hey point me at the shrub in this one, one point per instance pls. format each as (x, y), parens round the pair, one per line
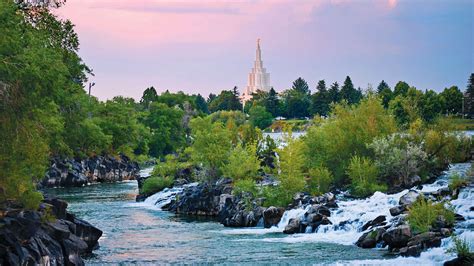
(397, 156)
(245, 186)
(291, 174)
(156, 184)
(319, 180)
(423, 214)
(242, 163)
(363, 175)
(456, 182)
(462, 248)
(345, 133)
(259, 117)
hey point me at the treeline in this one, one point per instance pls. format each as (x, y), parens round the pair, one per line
(359, 147)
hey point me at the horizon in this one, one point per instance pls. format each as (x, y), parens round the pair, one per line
(210, 46)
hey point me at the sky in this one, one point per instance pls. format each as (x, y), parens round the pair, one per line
(200, 46)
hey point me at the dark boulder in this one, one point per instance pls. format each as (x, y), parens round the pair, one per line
(461, 261)
(379, 221)
(397, 210)
(397, 237)
(294, 226)
(409, 198)
(272, 216)
(371, 238)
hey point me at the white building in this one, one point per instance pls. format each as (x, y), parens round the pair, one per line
(258, 79)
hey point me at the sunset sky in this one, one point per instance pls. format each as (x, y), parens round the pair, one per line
(207, 46)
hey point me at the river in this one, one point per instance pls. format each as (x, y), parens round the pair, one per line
(141, 233)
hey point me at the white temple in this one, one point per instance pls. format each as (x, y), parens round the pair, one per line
(258, 79)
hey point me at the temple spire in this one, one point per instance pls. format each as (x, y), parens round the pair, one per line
(258, 78)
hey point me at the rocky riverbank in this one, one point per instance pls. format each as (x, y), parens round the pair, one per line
(387, 225)
(66, 172)
(49, 236)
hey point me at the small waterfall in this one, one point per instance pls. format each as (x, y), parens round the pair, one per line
(164, 197)
(353, 214)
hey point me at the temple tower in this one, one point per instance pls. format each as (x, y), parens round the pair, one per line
(258, 78)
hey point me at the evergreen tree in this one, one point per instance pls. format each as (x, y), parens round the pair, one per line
(385, 93)
(382, 86)
(272, 103)
(201, 104)
(211, 98)
(226, 101)
(334, 93)
(300, 85)
(149, 96)
(470, 85)
(320, 100)
(348, 92)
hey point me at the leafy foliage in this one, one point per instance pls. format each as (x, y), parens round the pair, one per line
(243, 163)
(363, 174)
(156, 184)
(423, 213)
(319, 180)
(259, 117)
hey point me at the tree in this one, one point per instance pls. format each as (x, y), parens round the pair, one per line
(320, 102)
(201, 104)
(470, 85)
(212, 145)
(243, 163)
(272, 103)
(400, 89)
(167, 132)
(149, 96)
(227, 100)
(334, 94)
(406, 107)
(259, 117)
(385, 93)
(431, 105)
(301, 86)
(349, 93)
(453, 100)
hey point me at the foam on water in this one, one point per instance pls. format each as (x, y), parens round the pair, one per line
(353, 214)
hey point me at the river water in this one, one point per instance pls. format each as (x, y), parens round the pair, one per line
(141, 233)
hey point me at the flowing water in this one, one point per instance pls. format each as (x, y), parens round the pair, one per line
(142, 233)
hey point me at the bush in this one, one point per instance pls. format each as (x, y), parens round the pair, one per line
(243, 163)
(462, 249)
(291, 174)
(397, 156)
(423, 214)
(345, 133)
(363, 175)
(156, 184)
(456, 182)
(259, 117)
(319, 180)
(245, 186)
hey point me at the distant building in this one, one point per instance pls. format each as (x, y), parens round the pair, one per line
(258, 78)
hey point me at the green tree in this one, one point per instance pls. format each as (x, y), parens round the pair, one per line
(385, 93)
(334, 94)
(167, 132)
(363, 175)
(320, 100)
(401, 88)
(201, 104)
(243, 163)
(300, 85)
(431, 105)
(349, 93)
(212, 145)
(453, 100)
(149, 96)
(259, 117)
(226, 101)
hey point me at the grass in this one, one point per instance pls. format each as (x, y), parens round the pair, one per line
(456, 182)
(464, 124)
(462, 248)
